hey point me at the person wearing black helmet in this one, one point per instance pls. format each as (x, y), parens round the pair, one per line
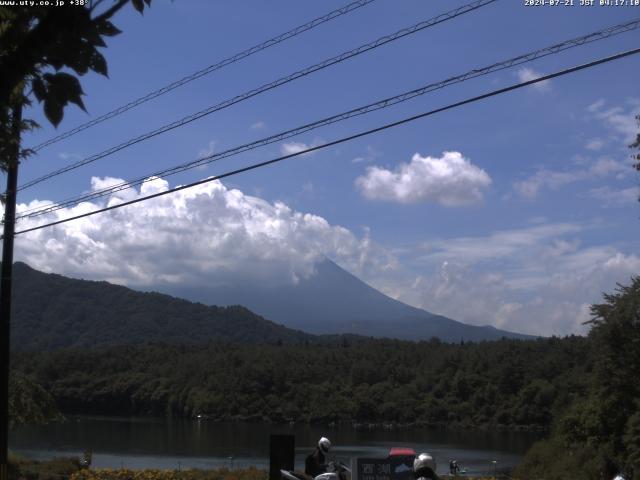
(424, 467)
(315, 463)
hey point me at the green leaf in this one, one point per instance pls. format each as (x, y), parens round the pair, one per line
(63, 88)
(39, 90)
(107, 29)
(53, 111)
(78, 101)
(89, 31)
(67, 82)
(27, 152)
(98, 64)
(54, 60)
(138, 5)
(80, 58)
(96, 40)
(70, 89)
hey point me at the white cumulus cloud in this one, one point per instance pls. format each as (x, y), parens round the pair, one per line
(206, 233)
(450, 180)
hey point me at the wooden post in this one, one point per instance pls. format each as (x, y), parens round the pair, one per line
(282, 453)
(5, 285)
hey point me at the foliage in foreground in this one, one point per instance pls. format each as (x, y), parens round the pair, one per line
(56, 469)
(70, 469)
(38, 42)
(554, 460)
(191, 474)
(604, 426)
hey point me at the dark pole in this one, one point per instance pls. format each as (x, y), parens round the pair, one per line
(5, 283)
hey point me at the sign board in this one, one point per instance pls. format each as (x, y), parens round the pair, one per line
(390, 468)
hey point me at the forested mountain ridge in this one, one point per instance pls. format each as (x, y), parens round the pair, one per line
(51, 311)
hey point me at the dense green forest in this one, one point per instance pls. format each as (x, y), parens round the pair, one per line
(29, 403)
(509, 382)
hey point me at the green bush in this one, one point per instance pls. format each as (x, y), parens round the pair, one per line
(56, 469)
(552, 459)
(193, 474)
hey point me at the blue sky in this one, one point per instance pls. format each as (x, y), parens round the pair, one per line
(528, 218)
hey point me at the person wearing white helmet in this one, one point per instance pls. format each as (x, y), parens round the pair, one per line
(610, 470)
(315, 463)
(424, 467)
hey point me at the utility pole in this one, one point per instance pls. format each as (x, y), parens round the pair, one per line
(12, 163)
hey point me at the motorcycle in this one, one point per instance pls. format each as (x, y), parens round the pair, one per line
(335, 471)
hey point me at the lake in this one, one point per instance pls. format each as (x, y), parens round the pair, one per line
(182, 443)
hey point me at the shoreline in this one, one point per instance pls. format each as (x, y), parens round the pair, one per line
(264, 421)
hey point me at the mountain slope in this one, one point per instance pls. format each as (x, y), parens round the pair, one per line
(51, 311)
(333, 301)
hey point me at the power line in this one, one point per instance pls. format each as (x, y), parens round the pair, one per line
(207, 70)
(345, 139)
(553, 49)
(556, 48)
(269, 86)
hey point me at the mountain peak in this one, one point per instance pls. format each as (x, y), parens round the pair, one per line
(334, 301)
(52, 311)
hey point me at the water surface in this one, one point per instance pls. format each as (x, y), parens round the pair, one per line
(181, 443)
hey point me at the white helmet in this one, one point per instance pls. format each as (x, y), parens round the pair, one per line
(424, 460)
(324, 445)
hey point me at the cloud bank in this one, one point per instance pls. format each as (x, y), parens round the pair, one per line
(537, 279)
(207, 233)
